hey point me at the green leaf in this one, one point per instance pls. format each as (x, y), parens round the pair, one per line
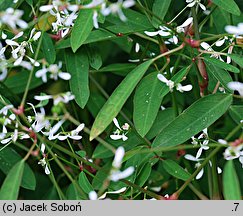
(221, 64)
(118, 99)
(175, 170)
(237, 59)
(84, 183)
(194, 119)
(8, 158)
(82, 28)
(78, 67)
(228, 5)
(73, 194)
(148, 98)
(119, 69)
(18, 82)
(160, 8)
(221, 75)
(9, 95)
(48, 49)
(95, 59)
(236, 112)
(231, 185)
(144, 174)
(11, 184)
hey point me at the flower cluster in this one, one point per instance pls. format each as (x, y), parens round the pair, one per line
(120, 132)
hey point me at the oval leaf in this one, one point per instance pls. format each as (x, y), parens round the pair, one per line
(82, 28)
(231, 185)
(148, 98)
(11, 184)
(118, 98)
(78, 67)
(175, 170)
(222, 65)
(84, 183)
(237, 59)
(228, 5)
(194, 119)
(221, 75)
(48, 49)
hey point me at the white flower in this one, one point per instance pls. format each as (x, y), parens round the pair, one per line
(208, 48)
(171, 84)
(236, 86)
(19, 50)
(181, 88)
(40, 119)
(120, 132)
(116, 8)
(42, 162)
(235, 30)
(233, 152)
(191, 3)
(115, 173)
(164, 32)
(6, 108)
(198, 164)
(72, 135)
(63, 97)
(181, 28)
(55, 72)
(53, 130)
(12, 18)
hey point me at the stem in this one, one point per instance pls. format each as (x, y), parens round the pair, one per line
(195, 23)
(197, 192)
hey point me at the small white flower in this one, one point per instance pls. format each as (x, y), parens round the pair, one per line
(181, 88)
(223, 142)
(236, 86)
(42, 162)
(93, 195)
(235, 30)
(192, 3)
(72, 134)
(12, 18)
(169, 83)
(63, 97)
(198, 164)
(233, 152)
(208, 48)
(121, 132)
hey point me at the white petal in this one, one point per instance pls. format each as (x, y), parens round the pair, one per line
(43, 147)
(37, 36)
(122, 175)
(62, 137)
(43, 97)
(187, 22)
(79, 128)
(223, 142)
(75, 137)
(46, 8)
(219, 170)
(175, 39)
(65, 76)
(18, 61)
(205, 46)
(116, 123)
(47, 171)
(151, 34)
(200, 174)
(219, 43)
(116, 137)
(137, 47)
(11, 42)
(202, 6)
(190, 157)
(120, 152)
(199, 152)
(236, 86)
(162, 78)
(93, 195)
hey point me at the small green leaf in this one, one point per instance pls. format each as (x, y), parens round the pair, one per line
(82, 28)
(118, 98)
(84, 183)
(175, 170)
(11, 184)
(194, 119)
(221, 75)
(8, 94)
(160, 8)
(78, 67)
(48, 49)
(144, 174)
(228, 5)
(221, 64)
(237, 59)
(231, 184)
